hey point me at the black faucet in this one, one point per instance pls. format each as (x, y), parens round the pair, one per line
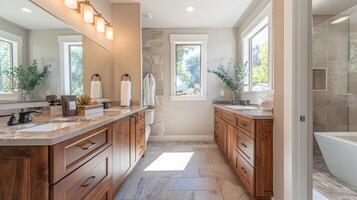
(25, 117)
(12, 121)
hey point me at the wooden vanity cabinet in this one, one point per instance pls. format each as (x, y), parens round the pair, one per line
(91, 166)
(247, 144)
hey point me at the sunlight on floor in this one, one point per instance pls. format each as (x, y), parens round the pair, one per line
(318, 196)
(176, 161)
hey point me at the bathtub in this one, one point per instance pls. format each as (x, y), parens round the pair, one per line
(339, 150)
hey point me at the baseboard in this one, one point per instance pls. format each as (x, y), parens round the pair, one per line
(158, 138)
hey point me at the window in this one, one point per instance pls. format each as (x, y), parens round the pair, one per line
(188, 66)
(10, 46)
(256, 52)
(71, 58)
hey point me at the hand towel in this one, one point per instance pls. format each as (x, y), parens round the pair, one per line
(96, 90)
(149, 90)
(125, 93)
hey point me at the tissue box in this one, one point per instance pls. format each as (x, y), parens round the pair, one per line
(89, 110)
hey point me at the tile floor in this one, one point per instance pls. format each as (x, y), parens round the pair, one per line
(328, 187)
(182, 171)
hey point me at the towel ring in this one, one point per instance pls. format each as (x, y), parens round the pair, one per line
(126, 77)
(97, 76)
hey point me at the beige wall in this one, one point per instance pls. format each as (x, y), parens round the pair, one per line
(19, 31)
(127, 47)
(174, 118)
(96, 60)
(74, 19)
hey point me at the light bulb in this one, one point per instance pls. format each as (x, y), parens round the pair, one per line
(72, 4)
(109, 33)
(88, 13)
(100, 24)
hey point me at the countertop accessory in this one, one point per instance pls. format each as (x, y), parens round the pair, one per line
(12, 121)
(125, 90)
(25, 117)
(69, 105)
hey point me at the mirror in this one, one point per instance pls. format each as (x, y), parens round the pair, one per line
(29, 34)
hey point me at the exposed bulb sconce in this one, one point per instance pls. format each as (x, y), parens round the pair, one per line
(72, 4)
(100, 24)
(88, 13)
(109, 33)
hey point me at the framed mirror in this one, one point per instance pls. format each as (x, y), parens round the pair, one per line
(31, 39)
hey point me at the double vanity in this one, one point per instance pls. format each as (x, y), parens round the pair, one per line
(245, 136)
(71, 158)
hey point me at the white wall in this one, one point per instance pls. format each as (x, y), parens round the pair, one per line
(195, 117)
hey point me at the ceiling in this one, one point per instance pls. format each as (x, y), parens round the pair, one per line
(36, 20)
(207, 13)
(331, 7)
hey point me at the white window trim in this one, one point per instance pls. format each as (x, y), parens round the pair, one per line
(64, 41)
(264, 18)
(16, 41)
(201, 39)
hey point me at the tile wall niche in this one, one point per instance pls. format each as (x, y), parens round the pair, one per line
(153, 54)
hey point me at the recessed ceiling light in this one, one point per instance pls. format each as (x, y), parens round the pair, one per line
(340, 20)
(26, 10)
(190, 9)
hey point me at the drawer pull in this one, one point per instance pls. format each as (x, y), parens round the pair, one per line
(244, 171)
(244, 145)
(91, 145)
(244, 124)
(89, 181)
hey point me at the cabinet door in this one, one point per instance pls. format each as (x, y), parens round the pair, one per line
(24, 173)
(217, 130)
(121, 151)
(133, 156)
(232, 138)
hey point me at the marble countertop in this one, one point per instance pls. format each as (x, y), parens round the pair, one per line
(253, 114)
(10, 136)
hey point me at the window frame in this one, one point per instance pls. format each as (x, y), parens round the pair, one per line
(65, 41)
(189, 39)
(263, 20)
(16, 43)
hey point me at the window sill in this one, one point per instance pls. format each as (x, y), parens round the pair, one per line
(188, 98)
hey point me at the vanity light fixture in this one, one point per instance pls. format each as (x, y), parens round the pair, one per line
(109, 33)
(340, 20)
(87, 13)
(72, 4)
(26, 10)
(100, 24)
(190, 9)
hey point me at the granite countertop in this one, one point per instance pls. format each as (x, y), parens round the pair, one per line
(250, 113)
(10, 136)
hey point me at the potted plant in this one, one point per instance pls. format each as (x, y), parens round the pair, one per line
(235, 80)
(87, 106)
(28, 79)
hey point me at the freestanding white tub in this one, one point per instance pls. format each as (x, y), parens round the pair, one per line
(339, 150)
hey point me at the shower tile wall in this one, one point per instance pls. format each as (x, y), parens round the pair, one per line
(330, 50)
(153, 51)
(353, 74)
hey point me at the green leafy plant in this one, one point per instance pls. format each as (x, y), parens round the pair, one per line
(235, 80)
(29, 78)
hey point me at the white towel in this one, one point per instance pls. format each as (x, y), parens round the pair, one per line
(149, 90)
(125, 93)
(96, 90)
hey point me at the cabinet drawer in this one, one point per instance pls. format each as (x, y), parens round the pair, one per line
(140, 144)
(70, 154)
(245, 145)
(245, 173)
(246, 124)
(217, 124)
(141, 128)
(101, 193)
(217, 112)
(229, 117)
(91, 176)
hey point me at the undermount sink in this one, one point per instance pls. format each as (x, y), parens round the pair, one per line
(48, 127)
(240, 107)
